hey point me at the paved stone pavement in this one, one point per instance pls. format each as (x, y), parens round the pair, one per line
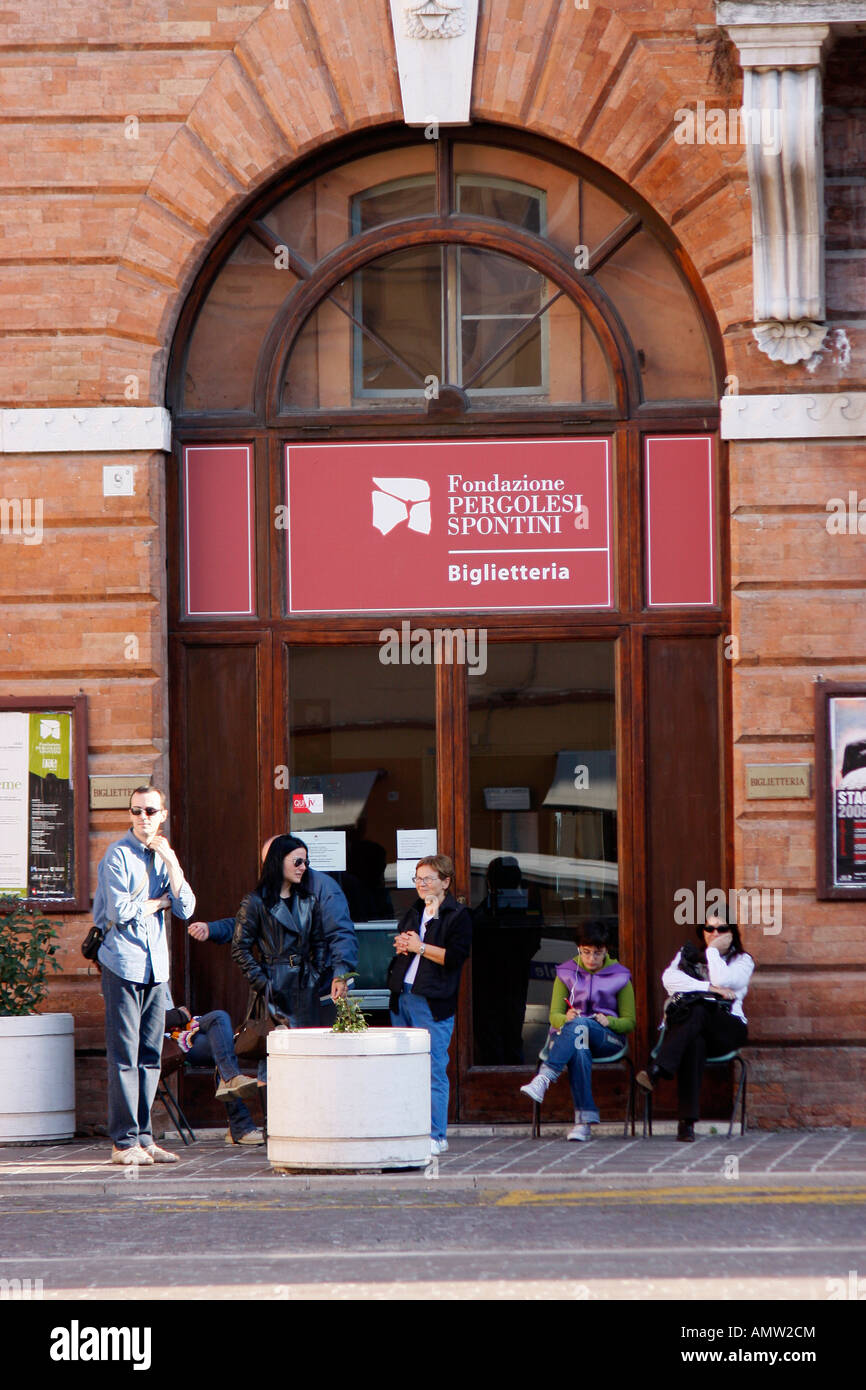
(476, 1159)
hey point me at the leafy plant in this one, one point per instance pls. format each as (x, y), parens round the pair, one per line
(27, 953)
(350, 1017)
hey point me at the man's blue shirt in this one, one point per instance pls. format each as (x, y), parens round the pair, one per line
(135, 945)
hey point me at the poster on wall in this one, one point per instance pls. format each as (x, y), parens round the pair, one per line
(841, 789)
(37, 812)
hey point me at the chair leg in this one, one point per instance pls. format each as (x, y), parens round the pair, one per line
(630, 1099)
(175, 1113)
(647, 1114)
(536, 1120)
(739, 1100)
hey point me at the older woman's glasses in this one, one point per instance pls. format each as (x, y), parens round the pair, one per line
(425, 882)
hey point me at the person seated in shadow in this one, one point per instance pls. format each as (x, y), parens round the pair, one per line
(207, 1040)
(592, 1008)
(506, 934)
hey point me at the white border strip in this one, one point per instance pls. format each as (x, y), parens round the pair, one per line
(249, 611)
(682, 439)
(85, 430)
(458, 608)
(830, 415)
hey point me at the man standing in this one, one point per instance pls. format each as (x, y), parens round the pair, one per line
(139, 877)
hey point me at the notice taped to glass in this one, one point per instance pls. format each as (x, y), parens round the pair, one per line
(37, 840)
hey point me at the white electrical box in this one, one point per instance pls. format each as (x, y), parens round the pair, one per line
(118, 480)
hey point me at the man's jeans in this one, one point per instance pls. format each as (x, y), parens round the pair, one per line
(574, 1046)
(414, 1012)
(134, 1028)
(214, 1043)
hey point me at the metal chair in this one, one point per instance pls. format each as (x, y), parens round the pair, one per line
(615, 1057)
(721, 1061)
(170, 1066)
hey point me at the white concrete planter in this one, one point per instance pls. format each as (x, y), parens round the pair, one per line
(349, 1100)
(37, 1078)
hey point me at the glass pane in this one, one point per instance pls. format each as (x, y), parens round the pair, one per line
(362, 735)
(319, 217)
(399, 298)
(662, 321)
(405, 198)
(231, 326)
(507, 202)
(543, 830)
(537, 196)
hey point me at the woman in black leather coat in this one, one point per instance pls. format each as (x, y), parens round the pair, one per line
(279, 938)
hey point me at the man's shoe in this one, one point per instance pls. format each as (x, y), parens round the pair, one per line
(133, 1157)
(158, 1155)
(580, 1132)
(685, 1131)
(536, 1089)
(438, 1146)
(236, 1086)
(252, 1136)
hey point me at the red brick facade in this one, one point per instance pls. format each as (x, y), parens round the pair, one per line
(126, 146)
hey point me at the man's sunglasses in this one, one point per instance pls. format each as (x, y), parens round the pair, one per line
(144, 810)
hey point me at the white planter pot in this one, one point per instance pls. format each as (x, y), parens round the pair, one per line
(37, 1078)
(349, 1100)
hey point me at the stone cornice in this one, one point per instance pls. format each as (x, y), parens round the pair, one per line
(841, 12)
(85, 430)
(835, 415)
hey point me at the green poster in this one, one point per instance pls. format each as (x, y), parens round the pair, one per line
(51, 874)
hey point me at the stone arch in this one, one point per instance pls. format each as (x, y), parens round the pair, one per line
(606, 84)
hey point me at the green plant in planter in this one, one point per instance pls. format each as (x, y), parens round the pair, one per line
(350, 1018)
(27, 953)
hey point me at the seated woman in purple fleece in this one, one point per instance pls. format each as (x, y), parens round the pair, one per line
(591, 1009)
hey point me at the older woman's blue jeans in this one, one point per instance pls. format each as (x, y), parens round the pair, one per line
(574, 1047)
(414, 1012)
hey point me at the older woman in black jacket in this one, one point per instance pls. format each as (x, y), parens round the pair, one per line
(432, 942)
(279, 941)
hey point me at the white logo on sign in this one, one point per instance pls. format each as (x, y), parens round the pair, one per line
(436, 19)
(49, 728)
(312, 802)
(390, 504)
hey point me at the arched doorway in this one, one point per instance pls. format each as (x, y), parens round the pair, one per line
(495, 350)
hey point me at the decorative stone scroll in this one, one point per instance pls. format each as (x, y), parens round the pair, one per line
(782, 82)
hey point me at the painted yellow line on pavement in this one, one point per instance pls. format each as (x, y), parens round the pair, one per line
(732, 1194)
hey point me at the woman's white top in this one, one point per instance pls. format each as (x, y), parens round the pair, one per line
(734, 974)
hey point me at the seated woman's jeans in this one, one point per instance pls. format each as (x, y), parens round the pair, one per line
(574, 1046)
(214, 1044)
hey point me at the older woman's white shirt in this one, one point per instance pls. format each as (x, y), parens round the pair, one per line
(734, 974)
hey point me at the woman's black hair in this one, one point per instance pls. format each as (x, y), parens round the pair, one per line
(736, 947)
(592, 932)
(271, 881)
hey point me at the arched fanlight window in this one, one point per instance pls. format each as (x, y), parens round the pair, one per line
(505, 280)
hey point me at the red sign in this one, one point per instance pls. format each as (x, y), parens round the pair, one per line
(450, 525)
(680, 521)
(219, 530)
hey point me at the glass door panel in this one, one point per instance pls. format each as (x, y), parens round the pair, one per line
(543, 830)
(362, 738)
